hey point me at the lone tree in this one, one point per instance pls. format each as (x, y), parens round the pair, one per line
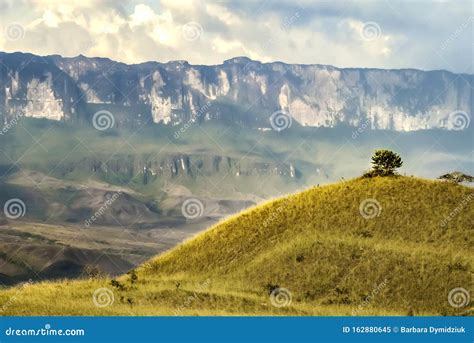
(384, 163)
(457, 177)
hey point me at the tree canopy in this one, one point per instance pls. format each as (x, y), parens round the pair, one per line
(384, 163)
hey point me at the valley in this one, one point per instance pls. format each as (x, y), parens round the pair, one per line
(139, 181)
(112, 164)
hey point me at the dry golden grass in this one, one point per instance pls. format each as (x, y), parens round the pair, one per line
(315, 244)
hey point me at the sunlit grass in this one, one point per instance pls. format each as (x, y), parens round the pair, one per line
(316, 244)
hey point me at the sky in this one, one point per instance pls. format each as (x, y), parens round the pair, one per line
(379, 34)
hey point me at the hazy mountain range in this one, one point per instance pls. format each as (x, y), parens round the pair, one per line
(239, 91)
(77, 132)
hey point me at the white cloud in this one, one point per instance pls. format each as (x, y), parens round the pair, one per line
(143, 14)
(323, 33)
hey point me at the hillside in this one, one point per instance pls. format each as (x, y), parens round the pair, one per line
(318, 252)
(227, 169)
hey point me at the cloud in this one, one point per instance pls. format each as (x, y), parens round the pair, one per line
(426, 35)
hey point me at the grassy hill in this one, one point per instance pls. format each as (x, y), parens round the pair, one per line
(379, 246)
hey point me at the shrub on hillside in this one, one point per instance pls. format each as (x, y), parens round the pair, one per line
(457, 177)
(92, 271)
(384, 163)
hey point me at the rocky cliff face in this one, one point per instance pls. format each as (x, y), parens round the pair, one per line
(180, 166)
(240, 90)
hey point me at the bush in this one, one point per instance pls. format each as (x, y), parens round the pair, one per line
(92, 271)
(384, 163)
(457, 177)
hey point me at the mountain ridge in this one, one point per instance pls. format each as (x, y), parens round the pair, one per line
(239, 91)
(243, 57)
